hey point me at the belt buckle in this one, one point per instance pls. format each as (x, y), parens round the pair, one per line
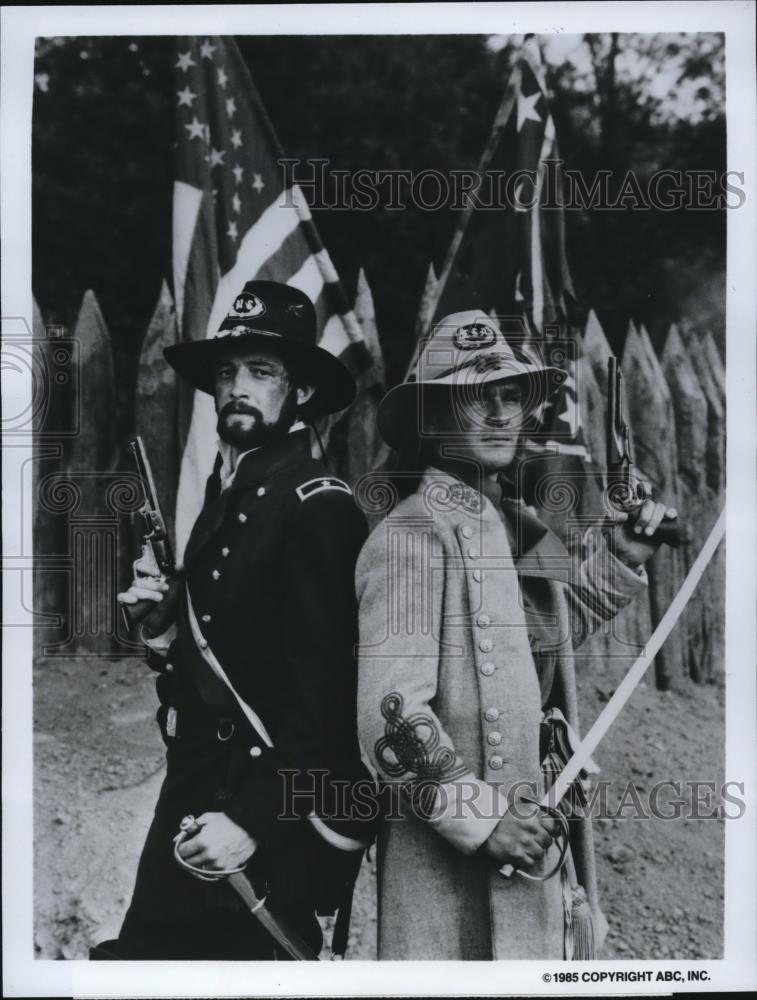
(171, 722)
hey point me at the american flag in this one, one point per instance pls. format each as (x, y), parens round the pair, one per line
(236, 218)
(510, 259)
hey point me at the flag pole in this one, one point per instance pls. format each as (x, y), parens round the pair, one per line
(328, 271)
(502, 118)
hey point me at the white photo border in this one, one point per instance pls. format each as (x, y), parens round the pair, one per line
(26, 976)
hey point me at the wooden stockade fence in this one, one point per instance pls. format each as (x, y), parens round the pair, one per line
(86, 491)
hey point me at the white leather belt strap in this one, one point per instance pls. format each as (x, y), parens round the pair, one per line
(331, 837)
(212, 661)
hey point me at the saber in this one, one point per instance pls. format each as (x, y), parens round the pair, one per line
(289, 940)
(627, 686)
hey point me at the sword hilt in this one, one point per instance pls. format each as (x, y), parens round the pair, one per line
(188, 828)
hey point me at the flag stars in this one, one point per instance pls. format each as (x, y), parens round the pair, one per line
(257, 182)
(215, 157)
(527, 109)
(197, 129)
(185, 61)
(236, 204)
(231, 106)
(236, 138)
(207, 50)
(186, 97)
(238, 173)
(222, 78)
(232, 231)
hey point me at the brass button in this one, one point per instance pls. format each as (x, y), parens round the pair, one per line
(487, 669)
(255, 751)
(466, 532)
(496, 762)
(206, 618)
(486, 645)
(484, 621)
(242, 518)
(491, 714)
(478, 575)
(225, 551)
(472, 553)
(494, 739)
(216, 575)
(169, 668)
(261, 491)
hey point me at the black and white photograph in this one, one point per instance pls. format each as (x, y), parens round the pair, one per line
(378, 499)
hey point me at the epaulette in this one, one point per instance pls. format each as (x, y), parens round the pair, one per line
(313, 486)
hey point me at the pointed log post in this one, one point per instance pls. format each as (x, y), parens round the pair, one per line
(593, 406)
(652, 421)
(155, 406)
(53, 379)
(384, 458)
(611, 650)
(690, 407)
(427, 304)
(93, 523)
(713, 582)
(715, 362)
(596, 350)
(359, 437)
(701, 358)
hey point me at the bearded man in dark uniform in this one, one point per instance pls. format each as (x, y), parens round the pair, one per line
(266, 587)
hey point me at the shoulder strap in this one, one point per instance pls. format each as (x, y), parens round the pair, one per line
(212, 661)
(313, 486)
(331, 837)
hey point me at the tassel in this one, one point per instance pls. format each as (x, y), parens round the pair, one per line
(582, 924)
(567, 908)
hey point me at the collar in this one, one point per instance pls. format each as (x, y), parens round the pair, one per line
(231, 459)
(536, 549)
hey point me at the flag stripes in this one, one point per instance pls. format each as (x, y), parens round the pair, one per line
(237, 217)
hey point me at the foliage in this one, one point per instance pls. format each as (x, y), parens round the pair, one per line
(645, 103)
(102, 165)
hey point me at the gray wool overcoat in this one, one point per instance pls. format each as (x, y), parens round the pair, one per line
(449, 707)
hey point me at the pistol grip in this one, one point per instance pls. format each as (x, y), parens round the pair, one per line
(670, 533)
(132, 614)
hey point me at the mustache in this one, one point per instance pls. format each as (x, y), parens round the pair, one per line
(239, 407)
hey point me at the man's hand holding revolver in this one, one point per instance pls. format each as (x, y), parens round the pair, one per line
(149, 584)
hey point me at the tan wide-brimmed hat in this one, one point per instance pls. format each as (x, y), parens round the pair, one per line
(463, 352)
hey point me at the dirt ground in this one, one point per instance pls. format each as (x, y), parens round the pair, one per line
(98, 768)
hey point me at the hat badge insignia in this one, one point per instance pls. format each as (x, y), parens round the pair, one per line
(475, 336)
(246, 306)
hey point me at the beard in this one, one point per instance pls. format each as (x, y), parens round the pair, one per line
(260, 433)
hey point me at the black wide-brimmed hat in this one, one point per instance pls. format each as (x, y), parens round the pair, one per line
(278, 318)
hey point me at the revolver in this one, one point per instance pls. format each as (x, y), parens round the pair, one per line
(626, 488)
(155, 537)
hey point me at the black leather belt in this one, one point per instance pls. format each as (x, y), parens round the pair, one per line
(184, 724)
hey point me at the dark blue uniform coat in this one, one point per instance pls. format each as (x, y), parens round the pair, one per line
(270, 569)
